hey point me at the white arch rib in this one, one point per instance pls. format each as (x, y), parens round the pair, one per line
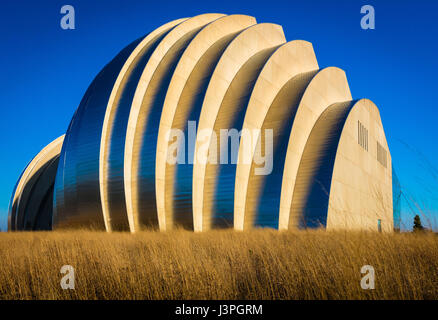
(290, 60)
(173, 104)
(249, 42)
(329, 86)
(133, 134)
(111, 109)
(46, 154)
(361, 187)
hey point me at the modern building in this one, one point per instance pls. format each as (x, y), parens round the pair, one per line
(153, 143)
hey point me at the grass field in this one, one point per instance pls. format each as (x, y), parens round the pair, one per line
(261, 264)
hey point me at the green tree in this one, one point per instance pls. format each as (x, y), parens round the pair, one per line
(417, 224)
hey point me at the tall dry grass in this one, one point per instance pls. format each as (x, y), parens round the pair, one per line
(261, 264)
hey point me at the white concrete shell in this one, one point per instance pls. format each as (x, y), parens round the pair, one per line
(344, 179)
(110, 119)
(22, 192)
(113, 169)
(361, 186)
(288, 61)
(193, 70)
(329, 86)
(257, 42)
(155, 70)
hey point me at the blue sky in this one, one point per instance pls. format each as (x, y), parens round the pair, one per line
(45, 70)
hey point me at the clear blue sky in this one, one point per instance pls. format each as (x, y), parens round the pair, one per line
(45, 70)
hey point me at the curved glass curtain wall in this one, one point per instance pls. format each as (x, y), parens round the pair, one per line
(396, 200)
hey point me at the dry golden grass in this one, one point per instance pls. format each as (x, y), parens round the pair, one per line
(261, 264)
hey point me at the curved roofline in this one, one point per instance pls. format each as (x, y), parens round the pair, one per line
(46, 154)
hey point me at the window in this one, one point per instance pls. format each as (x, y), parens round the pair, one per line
(379, 225)
(381, 154)
(362, 135)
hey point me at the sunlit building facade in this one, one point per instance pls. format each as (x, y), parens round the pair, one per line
(326, 161)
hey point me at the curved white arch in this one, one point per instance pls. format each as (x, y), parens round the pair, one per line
(111, 109)
(176, 107)
(140, 107)
(361, 181)
(46, 154)
(329, 86)
(248, 43)
(290, 60)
